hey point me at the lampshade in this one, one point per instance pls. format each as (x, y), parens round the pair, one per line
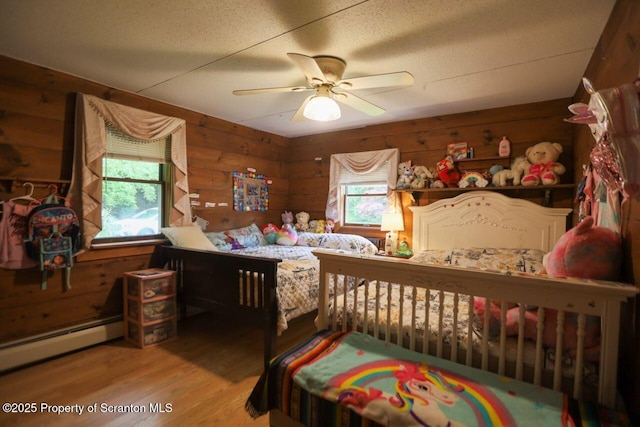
(322, 108)
(392, 222)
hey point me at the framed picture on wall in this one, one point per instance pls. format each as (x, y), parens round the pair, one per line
(250, 192)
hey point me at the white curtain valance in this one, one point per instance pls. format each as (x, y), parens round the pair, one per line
(360, 163)
(85, 192)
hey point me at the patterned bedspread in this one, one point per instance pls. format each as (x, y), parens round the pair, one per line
(298, 273)
(336, 378)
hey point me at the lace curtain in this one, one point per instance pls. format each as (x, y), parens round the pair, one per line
(85, 192)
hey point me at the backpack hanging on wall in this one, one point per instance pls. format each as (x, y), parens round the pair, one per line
(53, 232)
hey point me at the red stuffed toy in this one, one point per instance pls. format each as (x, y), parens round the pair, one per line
(447, 172)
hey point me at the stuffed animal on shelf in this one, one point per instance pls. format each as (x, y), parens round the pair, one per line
(447, 172)
(544, 167)
(405, 175)
(519, 167)
(472, 179)
(302, 221)
(270, 233)
(422, 177)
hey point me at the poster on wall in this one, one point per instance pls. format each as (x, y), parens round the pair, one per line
(250, 192)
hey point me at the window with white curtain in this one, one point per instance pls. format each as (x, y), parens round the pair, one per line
(133, 186)
(363, 196)
(361, 186)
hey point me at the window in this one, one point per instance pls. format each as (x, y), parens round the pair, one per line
(360, 186)
(97, 119)
(133, 186)
(364, 196)
(364, 204)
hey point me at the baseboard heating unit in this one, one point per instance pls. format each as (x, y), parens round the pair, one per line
(33, 349)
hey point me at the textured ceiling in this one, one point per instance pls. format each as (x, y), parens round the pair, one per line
(465, 55)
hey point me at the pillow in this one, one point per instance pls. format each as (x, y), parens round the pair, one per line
(220, 240)
(502, 260)
(246, 237)
(346, 242)
(188, 236)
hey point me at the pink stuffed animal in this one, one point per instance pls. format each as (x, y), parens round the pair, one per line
(570, 338)
(586, 251)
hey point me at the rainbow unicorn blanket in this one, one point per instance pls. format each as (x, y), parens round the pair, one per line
(398, 387)
(350, 379)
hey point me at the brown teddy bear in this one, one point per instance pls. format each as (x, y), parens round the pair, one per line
(544, 167)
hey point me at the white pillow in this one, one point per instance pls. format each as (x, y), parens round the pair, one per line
(190, 237)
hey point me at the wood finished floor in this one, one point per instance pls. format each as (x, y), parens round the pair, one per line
(206, 375)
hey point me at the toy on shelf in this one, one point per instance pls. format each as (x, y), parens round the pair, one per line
(422, 177)
(544, 167)
(472, 180)
(447, 172)
(405, 175)
(519, 168)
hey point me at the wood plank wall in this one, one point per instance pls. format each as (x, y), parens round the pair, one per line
(36, 142)
(616, 61)
(424, 142)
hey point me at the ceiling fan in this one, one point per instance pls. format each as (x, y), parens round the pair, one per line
(324, 76)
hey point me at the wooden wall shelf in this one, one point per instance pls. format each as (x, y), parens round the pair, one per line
(439, 193)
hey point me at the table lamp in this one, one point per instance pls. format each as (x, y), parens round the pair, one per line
(391, 222)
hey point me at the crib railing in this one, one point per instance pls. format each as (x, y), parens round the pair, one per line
(448, 293)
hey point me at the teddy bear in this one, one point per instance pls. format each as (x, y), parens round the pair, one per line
(519, 167)
(405, 175)
(302, 221)
(447, 172)
(422, 177)
(586, 251)
(544, 167)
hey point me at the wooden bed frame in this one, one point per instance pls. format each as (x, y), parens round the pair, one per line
(237, 286)
(488, 219)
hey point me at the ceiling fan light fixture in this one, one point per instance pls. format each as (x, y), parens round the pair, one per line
(322, 108)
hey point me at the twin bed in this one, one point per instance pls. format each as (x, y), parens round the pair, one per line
(426, 312)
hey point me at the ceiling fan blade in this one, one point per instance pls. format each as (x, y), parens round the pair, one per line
(398, 79)
(271, 90)
(358, 103)
(309, 68)
(298, 116)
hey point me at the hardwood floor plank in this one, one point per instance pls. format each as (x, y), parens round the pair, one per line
(203, 377)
